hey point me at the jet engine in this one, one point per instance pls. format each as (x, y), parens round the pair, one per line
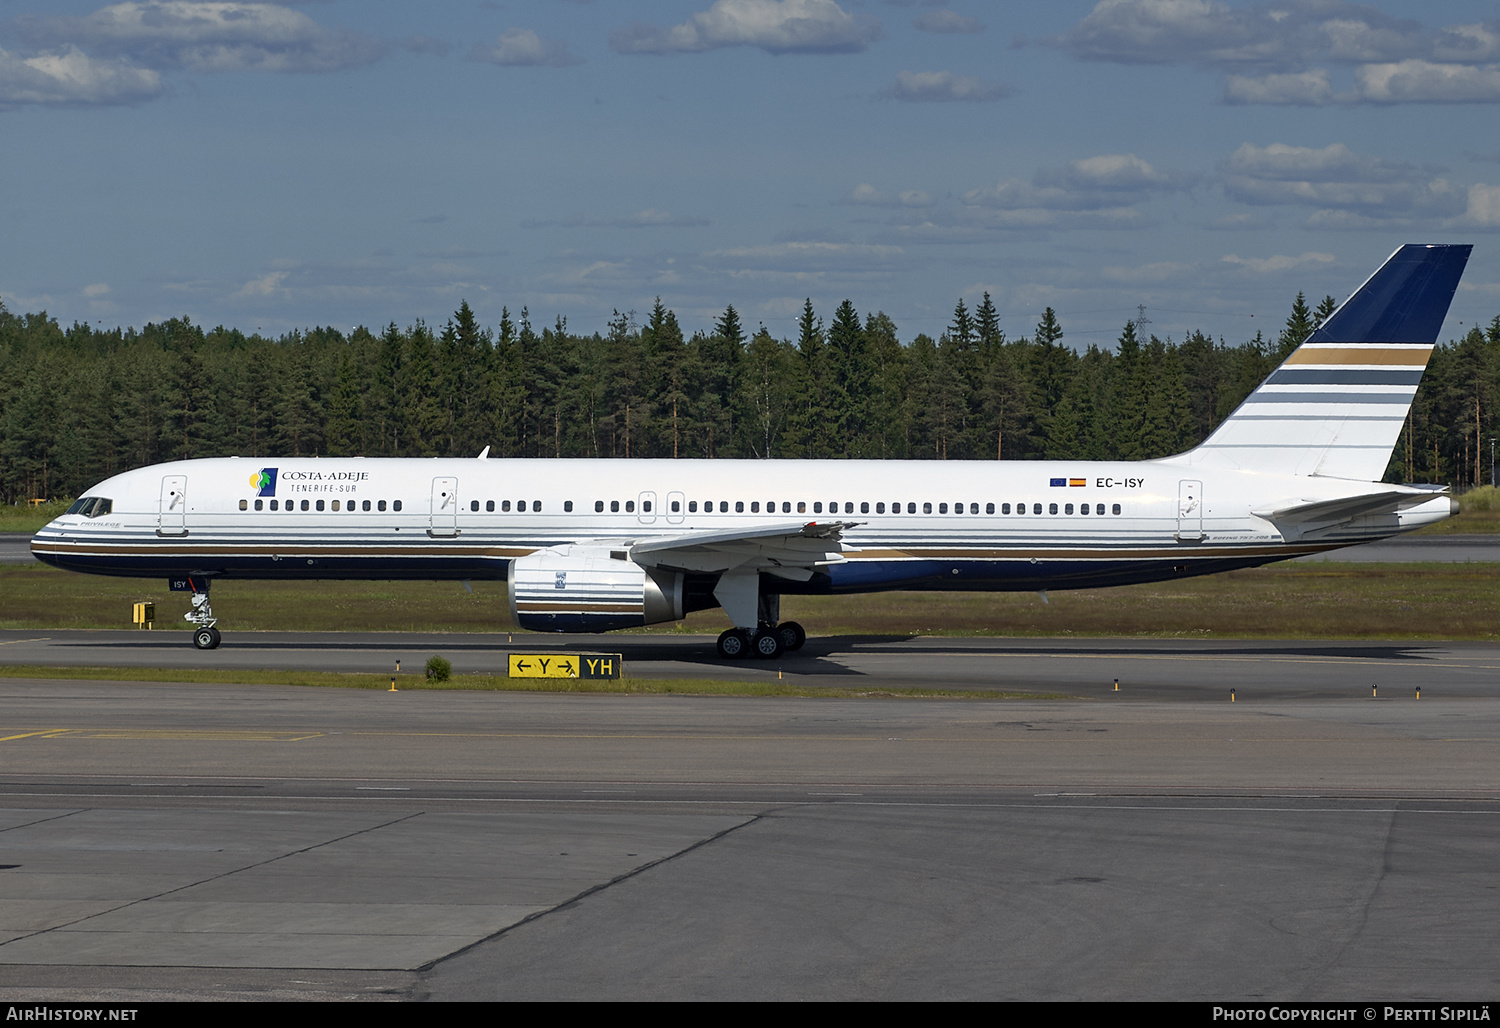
(587, 589)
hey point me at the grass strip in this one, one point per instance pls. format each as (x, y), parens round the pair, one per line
(500, 683)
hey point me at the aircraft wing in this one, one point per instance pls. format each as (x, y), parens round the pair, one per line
(1306, 513)
(790, 549)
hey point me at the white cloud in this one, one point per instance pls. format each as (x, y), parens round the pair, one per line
(72, 77)
(97, 289)
(1484, 207)
(1347, 190)
(1279, 54)
(1107, 171)
(1170, 31)
(1415, 81)
(776, 26)
(1278, 263)
(267, 285)
(1106, 186)
(1303, 88)
(207, 37)
(517, 47)
(947, 22)
(868, 195)
(943, 86)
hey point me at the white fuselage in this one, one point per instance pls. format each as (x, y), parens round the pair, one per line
(912, 524)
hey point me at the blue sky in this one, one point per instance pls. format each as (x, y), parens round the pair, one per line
(270, 166)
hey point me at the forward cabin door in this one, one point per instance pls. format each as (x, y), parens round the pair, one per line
(443, 518)
(171, 518)
(1189, 512)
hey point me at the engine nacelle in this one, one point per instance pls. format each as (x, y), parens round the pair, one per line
(585, 589)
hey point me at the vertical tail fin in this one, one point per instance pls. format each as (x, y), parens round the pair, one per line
(1335, 407)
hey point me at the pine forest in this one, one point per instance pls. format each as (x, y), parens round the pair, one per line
(78, 404)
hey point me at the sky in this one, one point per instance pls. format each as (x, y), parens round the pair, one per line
(269, 167)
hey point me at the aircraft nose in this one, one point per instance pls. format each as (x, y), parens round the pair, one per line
(41, 547)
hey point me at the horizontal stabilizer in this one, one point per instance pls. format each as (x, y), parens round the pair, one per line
(1345, 508)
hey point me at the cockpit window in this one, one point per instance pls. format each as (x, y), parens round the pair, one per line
(92, 506)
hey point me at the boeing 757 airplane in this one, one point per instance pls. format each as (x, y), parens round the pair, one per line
(596, 545)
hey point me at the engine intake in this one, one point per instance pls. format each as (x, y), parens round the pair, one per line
(574, 589)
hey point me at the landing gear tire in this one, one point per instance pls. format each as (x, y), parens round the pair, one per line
(767, 644)
(792, 635)
(734, 644)
(206, 638)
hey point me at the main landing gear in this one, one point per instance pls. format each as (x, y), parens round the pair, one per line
(205, 635)
(768, 642)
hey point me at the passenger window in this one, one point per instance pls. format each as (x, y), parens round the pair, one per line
(1068, 509)
(395, 505)
(739, 506)
(817, 506)
(879, 508)
(942, 508)
(723, 506)
(676, 506)
(474, 505)
(244, 505)
(801, 506)
(1083, 508)
(319, 505)
(1004, 508)
(974, 508)
(380, 505)
(260, 504)
(1036, 508)
(1117, 508)
(848, 506)
(567, 506)
(754, 506)
(645, 506)
(1051, 508)
(614, 506)
(489, 506)
(864, 507)
(305, 505)
(692, 506)
(629, 506)
(989, 508)
(927, 508)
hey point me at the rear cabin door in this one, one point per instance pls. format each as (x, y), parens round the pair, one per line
(171, 516)
(443, 518)
(1189, 512)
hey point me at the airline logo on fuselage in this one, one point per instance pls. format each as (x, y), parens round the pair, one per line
(264, 482)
